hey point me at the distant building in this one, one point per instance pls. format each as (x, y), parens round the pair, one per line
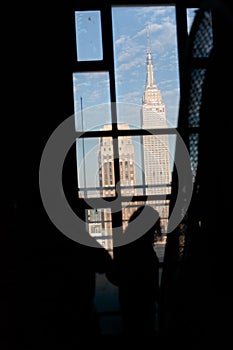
(155, 162)
(100, 225)
(156, 156)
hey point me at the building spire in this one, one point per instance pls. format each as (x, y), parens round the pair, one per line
(148, 40)
(150, 69)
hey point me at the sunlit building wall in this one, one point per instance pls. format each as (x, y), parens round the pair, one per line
(156, 156)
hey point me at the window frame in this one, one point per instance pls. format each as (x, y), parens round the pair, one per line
(107, 65)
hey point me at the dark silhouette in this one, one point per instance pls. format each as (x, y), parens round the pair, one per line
(58, 307)
(135, 270)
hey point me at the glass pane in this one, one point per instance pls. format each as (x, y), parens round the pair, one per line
(162, 207)
(156, 161)
(99, 226)
(88, 35)
(146, 163)
(191, 12)
(95, 165)
(128, 148)
(146, 64)
(130, 158)
(91, 100)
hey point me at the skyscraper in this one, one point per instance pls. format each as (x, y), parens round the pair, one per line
(156, 156)
(99, 220)
(155, 163)
(126, 163)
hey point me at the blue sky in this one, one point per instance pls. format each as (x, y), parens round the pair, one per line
(130, 37)
(130, 48)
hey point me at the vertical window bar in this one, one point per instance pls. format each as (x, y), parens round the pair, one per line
(109, 57)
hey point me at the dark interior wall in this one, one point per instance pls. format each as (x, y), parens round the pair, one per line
(37, 91)
(200, 289)
(216, 176)
(37, 95)
(36, 257)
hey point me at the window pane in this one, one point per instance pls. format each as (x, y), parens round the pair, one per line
(95, 165)
(91, 100)
(146, 64)
(130, 161)
(156, 162)
(146, 163)
(88, 35)
(128, 209)
(99, 226)
(191, 12)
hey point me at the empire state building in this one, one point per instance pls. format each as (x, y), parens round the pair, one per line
(156, 156)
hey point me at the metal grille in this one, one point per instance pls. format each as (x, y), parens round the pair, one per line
(203, 41)
(196, 83)
(193, 150)
(201, 47)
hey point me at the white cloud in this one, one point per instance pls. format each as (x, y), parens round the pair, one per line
(130, 97)
(131, 64)
(153, 27)
(121, 40)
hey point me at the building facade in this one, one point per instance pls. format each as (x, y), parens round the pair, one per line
(99, 220)
(155, 165)
(156, 154)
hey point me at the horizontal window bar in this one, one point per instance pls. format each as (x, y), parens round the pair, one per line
(125, 132)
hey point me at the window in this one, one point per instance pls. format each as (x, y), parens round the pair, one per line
(126, 101)
(88, 35)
